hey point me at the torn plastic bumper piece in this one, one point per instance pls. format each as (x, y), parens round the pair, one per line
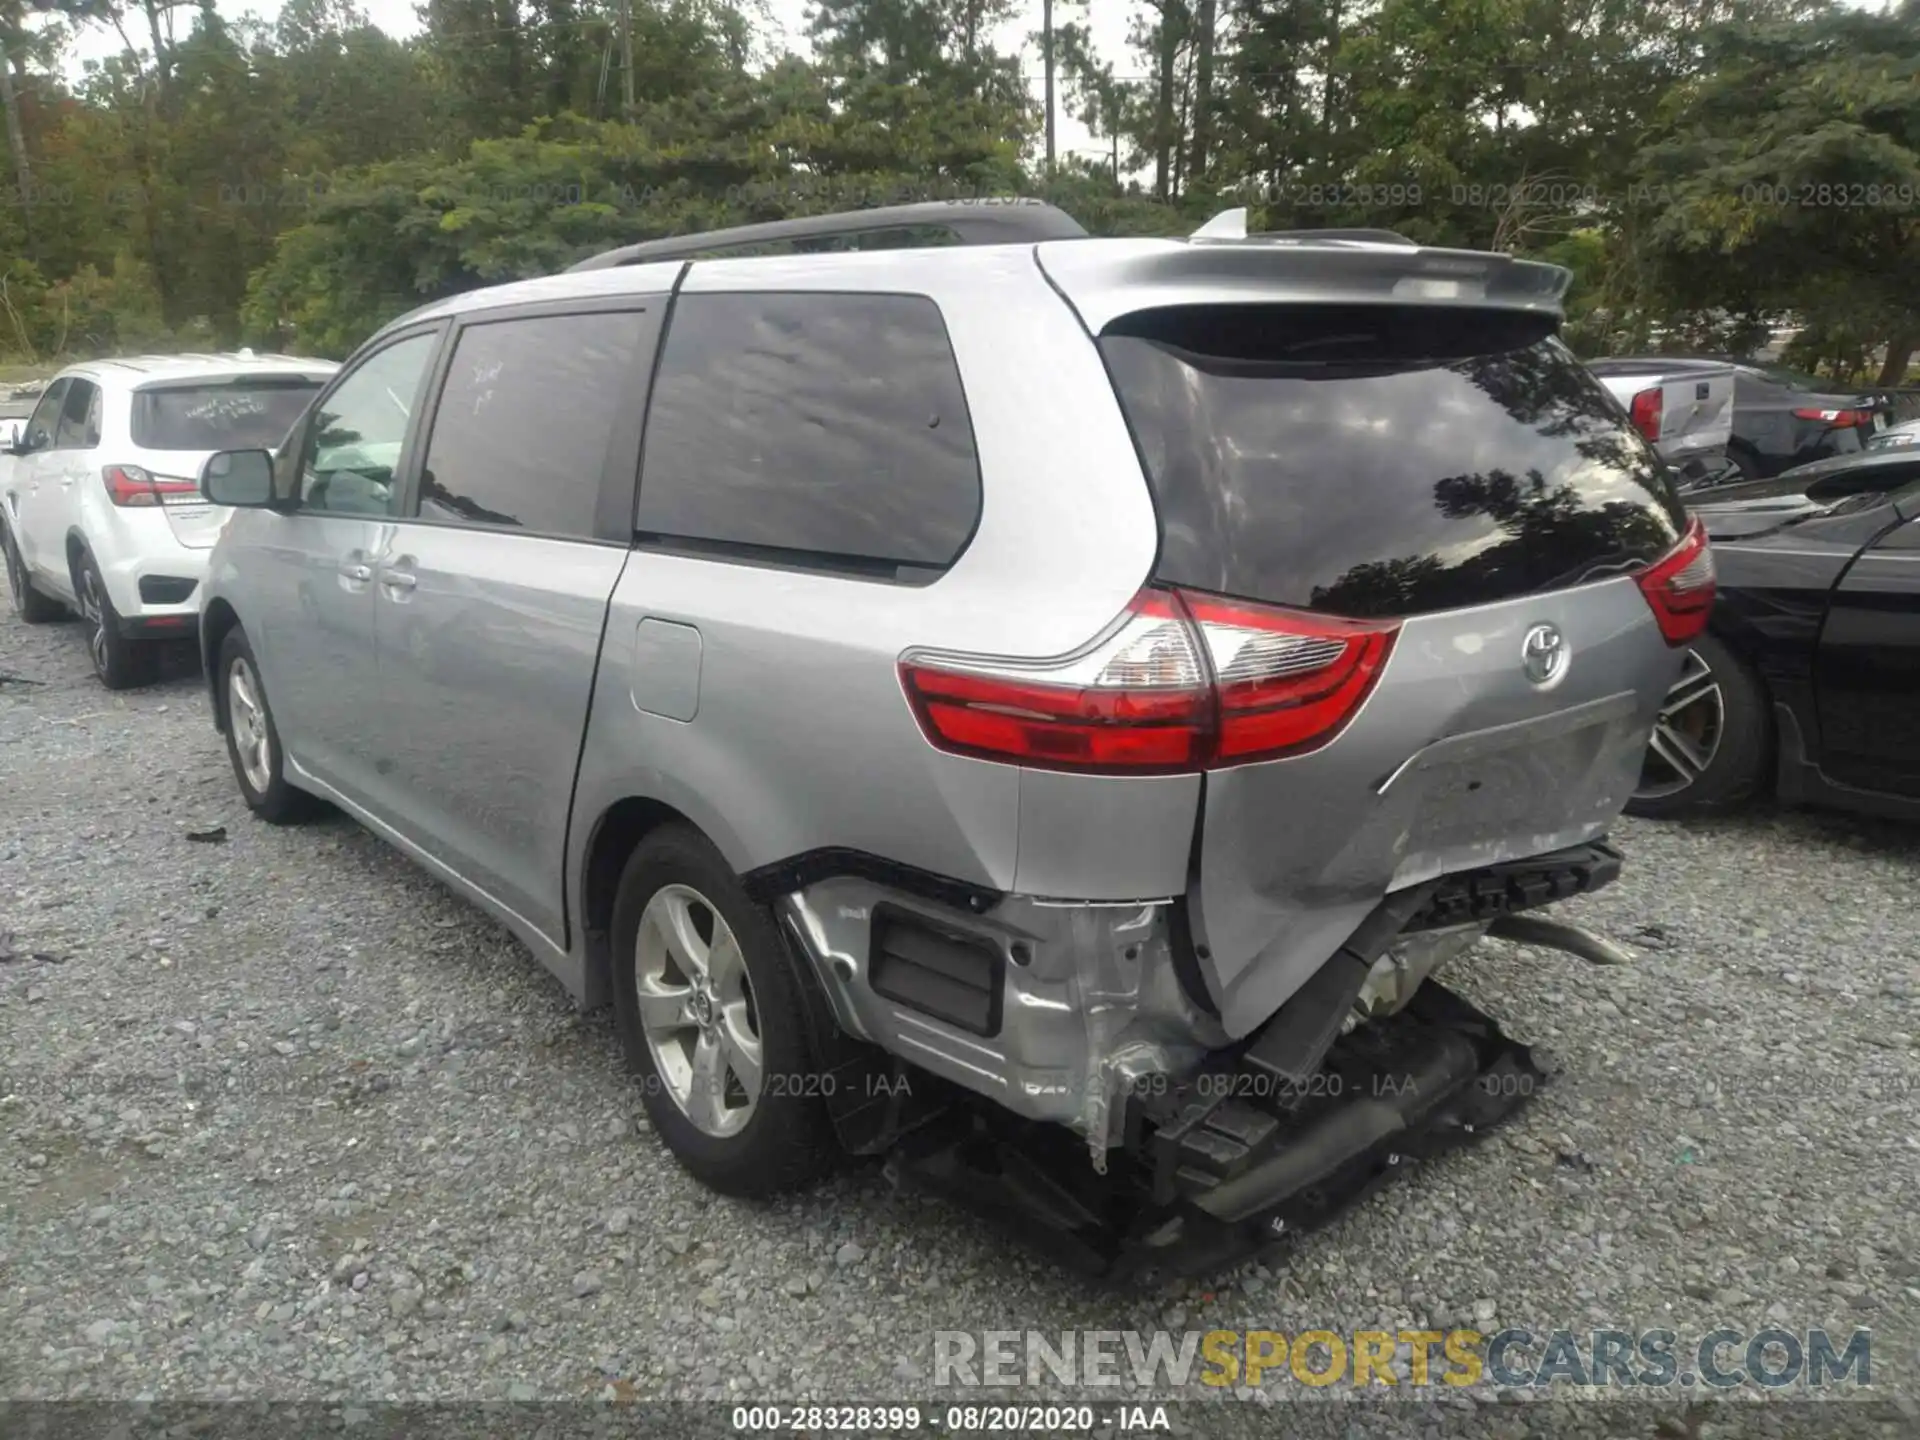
(1230, 1163)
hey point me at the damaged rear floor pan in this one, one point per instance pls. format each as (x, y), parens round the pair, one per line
(1233, 1162)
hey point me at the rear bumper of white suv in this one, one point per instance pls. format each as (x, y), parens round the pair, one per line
(152, 580)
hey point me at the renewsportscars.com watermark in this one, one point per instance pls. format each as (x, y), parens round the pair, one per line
(1511, 1358)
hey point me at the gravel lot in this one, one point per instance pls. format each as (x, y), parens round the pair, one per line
(282, 1118)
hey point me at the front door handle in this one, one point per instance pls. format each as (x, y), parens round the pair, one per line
(397, 577)
(353, 570)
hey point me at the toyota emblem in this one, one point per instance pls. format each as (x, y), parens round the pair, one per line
(1544, 655)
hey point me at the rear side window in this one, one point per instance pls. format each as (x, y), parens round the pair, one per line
(1383, 460)
(521, 434)
(220, 415)
(813, 428)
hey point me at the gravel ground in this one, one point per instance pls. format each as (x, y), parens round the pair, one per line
(284, 1119)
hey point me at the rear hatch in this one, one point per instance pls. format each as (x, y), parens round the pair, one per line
(1451, 472)
(177, 425)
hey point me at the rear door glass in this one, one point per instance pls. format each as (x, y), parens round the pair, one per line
(525, 418)
(1383, 460)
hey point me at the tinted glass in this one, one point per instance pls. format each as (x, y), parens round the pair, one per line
(244, 415)
(824, 425)
(1798, 379)
(46, 415)
(82, 402)
(352, 450)
(1383, 461)
(520, 435)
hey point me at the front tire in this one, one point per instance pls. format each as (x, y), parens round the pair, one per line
(253, 740)
(1712, 741)
(28, 603)
(713, 1023)
(120, 662)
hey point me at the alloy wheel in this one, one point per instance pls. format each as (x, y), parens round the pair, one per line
(1686, 737)
(247, 718)
(96, 616)
(697, 1011)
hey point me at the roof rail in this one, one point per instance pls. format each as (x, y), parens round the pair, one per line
(1009, 220)
(1232, 225)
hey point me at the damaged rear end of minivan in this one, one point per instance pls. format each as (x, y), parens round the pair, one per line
(1419, 592)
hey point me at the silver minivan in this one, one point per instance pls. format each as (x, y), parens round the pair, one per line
(1039, 706)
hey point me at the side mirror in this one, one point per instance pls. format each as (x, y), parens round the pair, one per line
(240, 478)
(10, 437)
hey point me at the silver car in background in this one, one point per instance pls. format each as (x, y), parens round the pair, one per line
(957, 700)
(1685, 414)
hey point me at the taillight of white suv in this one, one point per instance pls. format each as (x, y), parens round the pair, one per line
(131, 486)
(1181, 682)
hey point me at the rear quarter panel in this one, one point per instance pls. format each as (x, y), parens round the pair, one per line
(801, 737)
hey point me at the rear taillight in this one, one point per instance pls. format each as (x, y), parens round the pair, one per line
(1181, 682)
(1839, 419)
(1680, 585)
(129, 485)
(1645, 411)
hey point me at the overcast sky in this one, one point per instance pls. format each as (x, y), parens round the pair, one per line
(396, 17)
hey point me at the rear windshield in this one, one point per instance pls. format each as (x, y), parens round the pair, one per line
(1382, 460)
(211, 416)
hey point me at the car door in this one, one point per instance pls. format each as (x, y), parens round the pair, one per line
(1867, 669)
(307, 572)
(70, 463)
(29, 499)
(491, 600)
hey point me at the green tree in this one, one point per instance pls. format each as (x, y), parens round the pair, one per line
(1791, 170)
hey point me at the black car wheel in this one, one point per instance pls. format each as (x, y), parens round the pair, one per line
(1745, 463)
(121, 663)
(1710, 744)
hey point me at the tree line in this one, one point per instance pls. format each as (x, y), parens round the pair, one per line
(1708, 168)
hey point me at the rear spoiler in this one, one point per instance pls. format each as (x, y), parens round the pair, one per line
(266, 379)
(1119, 277)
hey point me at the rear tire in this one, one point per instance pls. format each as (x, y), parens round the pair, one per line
(253, 740)
(713, 1023)
(1711, 745)
(121, 663)
(28, 603)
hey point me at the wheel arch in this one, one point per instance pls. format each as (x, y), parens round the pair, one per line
(217, 621)
(615, 834)
(1762, 718)
(1742, 446)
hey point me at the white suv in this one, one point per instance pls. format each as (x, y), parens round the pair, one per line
(99, 511)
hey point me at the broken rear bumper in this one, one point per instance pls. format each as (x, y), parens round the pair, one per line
(1256, 1160)
(1236, 1161)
